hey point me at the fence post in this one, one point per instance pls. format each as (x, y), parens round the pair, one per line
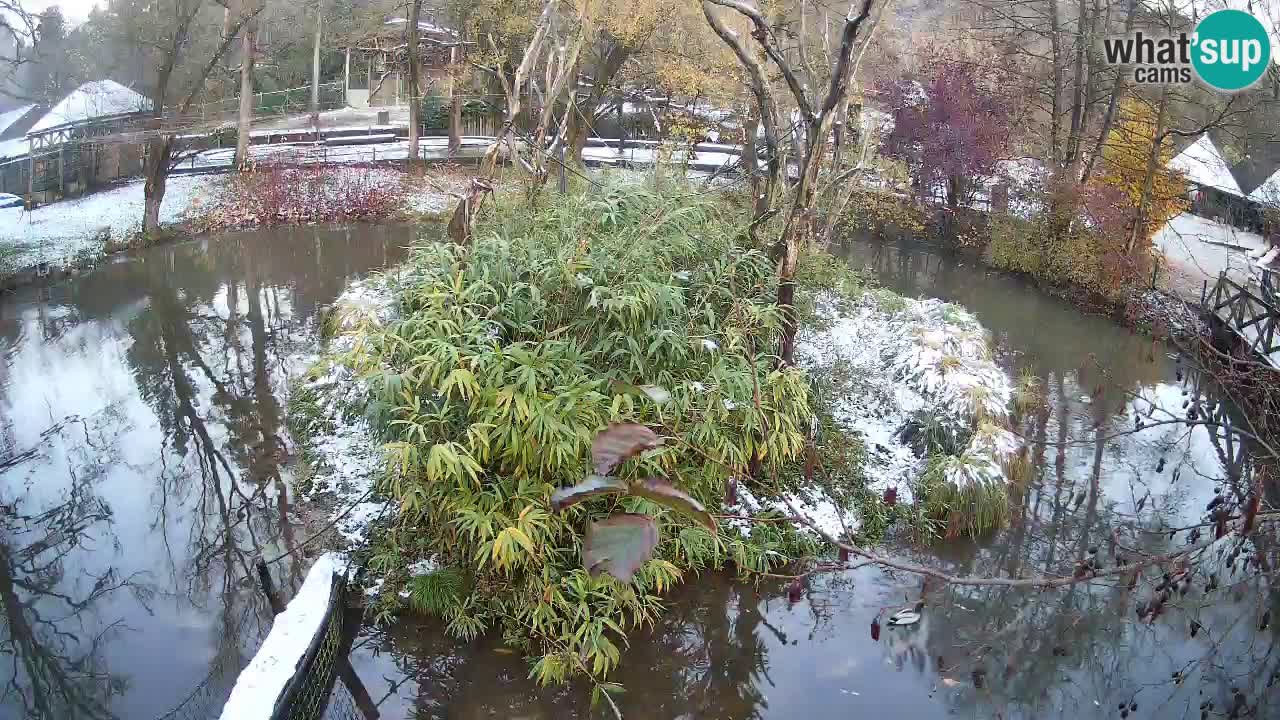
(269, 588)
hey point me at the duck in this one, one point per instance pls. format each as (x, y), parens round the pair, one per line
(906, 616)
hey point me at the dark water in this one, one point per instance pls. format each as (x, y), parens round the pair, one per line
(734, 650)
(143, 466)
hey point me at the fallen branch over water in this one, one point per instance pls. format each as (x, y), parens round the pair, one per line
(1042, 582)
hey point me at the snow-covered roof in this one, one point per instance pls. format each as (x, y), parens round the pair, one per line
(9, 149)
(1204, 165)
(425, 26)
(1268, 192)
(99, 98)
(13, 116)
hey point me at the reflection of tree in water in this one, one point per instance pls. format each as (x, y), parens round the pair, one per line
(51, 636)
(1092, 645)
(707, 656)
(209, 331)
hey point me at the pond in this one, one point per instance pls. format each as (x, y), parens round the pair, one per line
(144, 466)
(736, 650)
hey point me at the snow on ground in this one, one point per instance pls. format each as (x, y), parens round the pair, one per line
(347, 459)
(261, 682)
(431, 148)
(1197, 250)
(61, 231)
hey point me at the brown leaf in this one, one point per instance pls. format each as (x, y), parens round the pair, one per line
(619, 545)
(619, 442)
(594, 485)
(661, 491)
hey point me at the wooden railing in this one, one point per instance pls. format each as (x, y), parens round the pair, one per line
(1253, 317)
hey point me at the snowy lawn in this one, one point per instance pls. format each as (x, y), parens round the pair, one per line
(61, 232)
(1197, 250)
(78, 230)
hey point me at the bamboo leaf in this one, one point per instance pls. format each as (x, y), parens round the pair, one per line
(619, 442)
(661, 491)
(594, 485)
(619, 545)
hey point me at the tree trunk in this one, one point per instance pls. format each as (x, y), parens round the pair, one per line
(1055, 113)
(415, 102)
(156, 170)
(582, 117)
(315, 70)
(246, 96)
(455, 102)
(751, 162)
(1148, 181)
(1108, 118)
(1078, 98)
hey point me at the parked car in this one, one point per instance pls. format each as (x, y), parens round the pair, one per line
(7, 200)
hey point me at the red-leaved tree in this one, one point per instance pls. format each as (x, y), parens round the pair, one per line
(950, 126)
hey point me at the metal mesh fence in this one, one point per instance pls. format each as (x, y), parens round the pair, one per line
(306, 697)
(205, 701)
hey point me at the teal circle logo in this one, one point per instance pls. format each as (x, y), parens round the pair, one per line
(1231, 50)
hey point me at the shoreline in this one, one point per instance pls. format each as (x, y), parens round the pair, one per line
(197, 221)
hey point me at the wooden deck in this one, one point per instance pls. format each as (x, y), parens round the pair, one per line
(1252, 314)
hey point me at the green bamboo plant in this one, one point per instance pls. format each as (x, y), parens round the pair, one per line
(566, 404)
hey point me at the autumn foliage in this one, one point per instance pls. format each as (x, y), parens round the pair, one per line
(950, 126)
(1125, 160)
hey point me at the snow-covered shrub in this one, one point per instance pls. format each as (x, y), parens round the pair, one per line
(922, 383)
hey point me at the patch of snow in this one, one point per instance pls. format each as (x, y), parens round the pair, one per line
(348, 459)
(57, 232)
(425, 566)
(12, 116)
(99, 98)
(262, 681)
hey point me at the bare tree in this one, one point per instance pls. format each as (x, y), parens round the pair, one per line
(169, 31)
(816, 116)
(415, 104)
(247, 10)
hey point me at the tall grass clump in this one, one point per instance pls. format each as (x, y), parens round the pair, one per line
(504, 361)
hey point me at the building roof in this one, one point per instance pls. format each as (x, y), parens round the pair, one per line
(426, 27)
(12, 117)
(1204, 165)
(1268, 193)
(99, 98)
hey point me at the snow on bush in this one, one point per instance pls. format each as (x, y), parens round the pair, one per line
(915, 367)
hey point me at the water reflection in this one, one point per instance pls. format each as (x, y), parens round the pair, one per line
(144, 466)
(1098, 492)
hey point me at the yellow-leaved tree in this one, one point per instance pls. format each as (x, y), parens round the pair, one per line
(1147, 185)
